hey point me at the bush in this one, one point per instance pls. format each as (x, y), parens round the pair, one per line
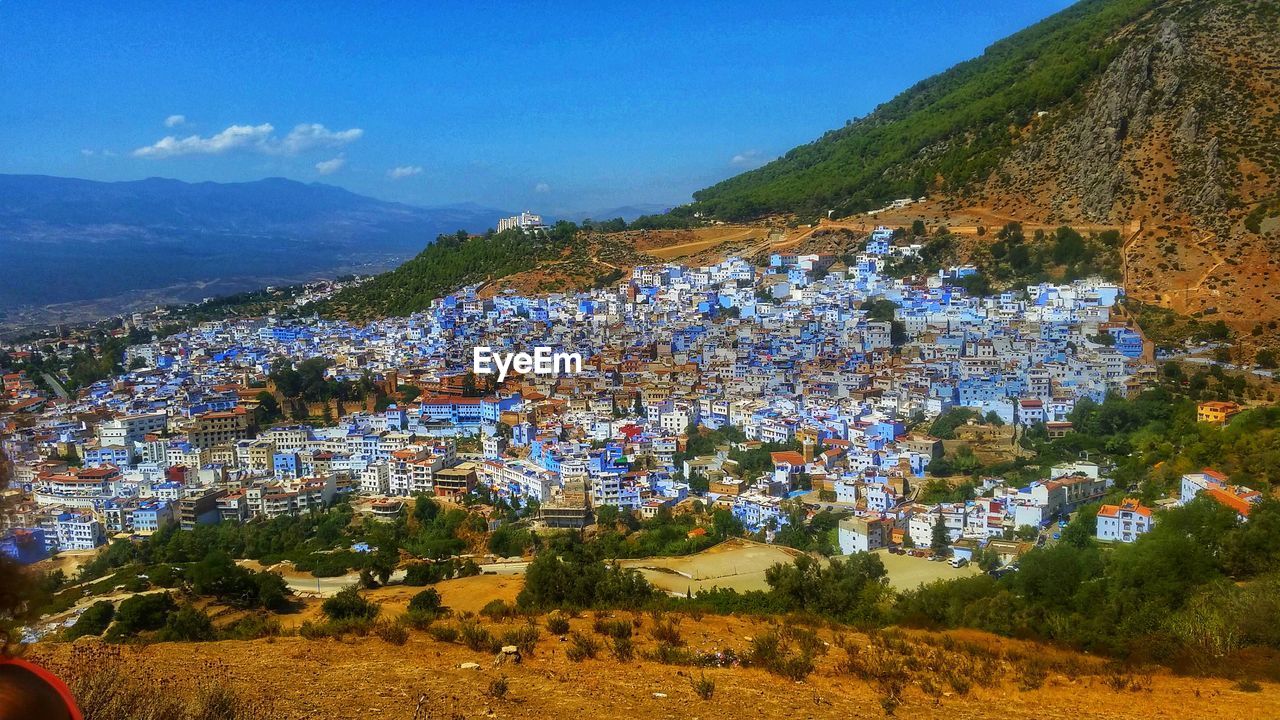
(336, 628)
(623, 649)
(252, 627)
(498, 610)
(524, 637)
(557, 623)
(582, 647)
(189, 624)
(498, 688)
(417, 619)
(427, 601)
(666, 630)
(428, 573)
(390, 632)
(443, 633)
(140, 613)
(476, 637)
(771, 652)
(109, 685)
(349, 604)
(703, 686)
(92, 621)
(1248, 685)
(613, 628)
(1033, 673)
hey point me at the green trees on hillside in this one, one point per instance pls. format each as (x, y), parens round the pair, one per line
(446, 264)
(967, 117)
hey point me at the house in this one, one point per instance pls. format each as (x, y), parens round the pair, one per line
(864, 534)
(1217, 412)
(1123, 522)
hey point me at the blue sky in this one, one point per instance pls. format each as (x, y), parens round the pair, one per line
(552, 106)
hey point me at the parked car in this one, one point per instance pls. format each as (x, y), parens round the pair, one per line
(959, 562)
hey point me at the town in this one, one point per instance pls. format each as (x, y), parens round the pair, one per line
(823, 365)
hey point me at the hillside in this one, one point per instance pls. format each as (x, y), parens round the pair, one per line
(957, 675)
(1157, 115)
(66, 240)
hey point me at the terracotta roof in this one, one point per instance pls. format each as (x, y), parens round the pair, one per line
(1240, 505)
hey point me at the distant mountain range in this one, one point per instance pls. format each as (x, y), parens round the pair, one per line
(64, 240)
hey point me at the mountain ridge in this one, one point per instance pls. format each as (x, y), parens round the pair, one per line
(69, 240)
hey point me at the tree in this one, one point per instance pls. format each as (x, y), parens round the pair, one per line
(698, 483)
(917, 228)
(725, 525)
(427, 601)
(93, 621)
(607, 516)
(188, 624)
(1083, 527)
(940, 539)
(140, 613)
(349, 604)
(425, 509)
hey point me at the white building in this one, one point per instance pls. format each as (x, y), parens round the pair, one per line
(525, 221)
(1123, 522)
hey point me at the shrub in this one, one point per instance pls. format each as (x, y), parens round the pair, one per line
(417, 619)
(109, 685)
(390, 632)
(623, 649)
(476, 637)
(251, 628)
(349, 604)
(525, 638)
(498, 610)
(428, 573)
(498, 688)
(1248, 685)
(427, 601)
(557, 623)
(703, 686)
(92, 621)
(582, 647)
(139, 613)
(770, 652)
(668, 654)
(443, 633)
(1033, 673)
(613, 628)
(666, 630)
(189, 624)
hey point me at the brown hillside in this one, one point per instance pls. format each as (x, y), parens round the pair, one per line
(973, 676)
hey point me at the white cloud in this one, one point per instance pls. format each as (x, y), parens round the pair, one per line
(90, 152)
(748, 158)
(329, 167)
(542, 188)
(233, 138)
(87, 152)
(175, 120)
(404, 171)
(309, 136)
(252, 138)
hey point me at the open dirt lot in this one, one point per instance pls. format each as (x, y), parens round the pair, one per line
(736, 564)
(908, 573)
